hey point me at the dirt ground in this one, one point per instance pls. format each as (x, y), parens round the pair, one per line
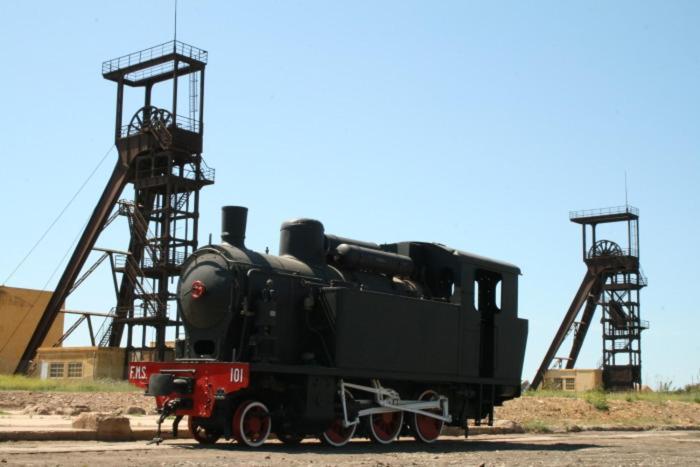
(558, 413)
(569, 413)
(60, 402)
(589, 448)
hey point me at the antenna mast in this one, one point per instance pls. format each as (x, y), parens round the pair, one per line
(175, 21)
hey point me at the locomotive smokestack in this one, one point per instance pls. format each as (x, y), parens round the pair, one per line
(233, 223)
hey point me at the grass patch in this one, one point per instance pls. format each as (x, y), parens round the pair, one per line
(598, 400)
(630, 396)
(536, 426)
(658, 397)
(24, 383)
(550, 393)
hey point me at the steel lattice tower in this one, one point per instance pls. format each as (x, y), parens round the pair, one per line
(612, 281)
(160, 154)
(167, 174)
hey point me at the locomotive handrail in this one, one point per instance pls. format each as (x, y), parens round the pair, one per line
(231, 261)
(178, 370)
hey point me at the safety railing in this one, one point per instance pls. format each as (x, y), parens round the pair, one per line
(631, 279)
(642, 278)
(187, 123)
(181, 122)
(621, 345)
(627, 209)
(174, 260)
(156, 70)
(120, 261)
(157, 51)
(205, 173)
(621, 252)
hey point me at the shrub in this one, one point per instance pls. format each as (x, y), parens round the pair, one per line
(598, 400)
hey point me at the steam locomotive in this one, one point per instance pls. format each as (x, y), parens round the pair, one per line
(337, 338)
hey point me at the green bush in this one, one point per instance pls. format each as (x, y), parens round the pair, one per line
(598, 400)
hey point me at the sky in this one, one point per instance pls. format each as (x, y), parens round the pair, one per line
(476, 125)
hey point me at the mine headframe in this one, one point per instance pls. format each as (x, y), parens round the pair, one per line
(612, 281)
(160, 154)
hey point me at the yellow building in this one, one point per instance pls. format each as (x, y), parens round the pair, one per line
(574, 379)
(20, 311)
(89, 362)
(80, 362)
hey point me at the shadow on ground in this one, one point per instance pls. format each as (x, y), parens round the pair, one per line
(366, 447)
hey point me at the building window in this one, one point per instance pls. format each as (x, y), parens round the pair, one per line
(75, 370)
(570, 384)
(557, 384)
(56, 370)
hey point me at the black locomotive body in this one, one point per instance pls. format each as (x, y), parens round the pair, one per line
(341, 338)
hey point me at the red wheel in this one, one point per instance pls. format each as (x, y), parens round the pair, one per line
(427, 429)
(384, 428)
(338, 435)
(251, 423)
(202, 434)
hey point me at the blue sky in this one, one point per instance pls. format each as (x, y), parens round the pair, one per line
(475, 125)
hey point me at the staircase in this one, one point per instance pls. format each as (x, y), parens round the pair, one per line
(139, 227)
(133, 273)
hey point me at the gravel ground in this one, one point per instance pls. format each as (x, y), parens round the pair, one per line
(590, 448)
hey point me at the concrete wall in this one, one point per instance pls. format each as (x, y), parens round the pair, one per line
(95, 362)
(20, 311)
(150, 355)
(110, 363)
(578, 380)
